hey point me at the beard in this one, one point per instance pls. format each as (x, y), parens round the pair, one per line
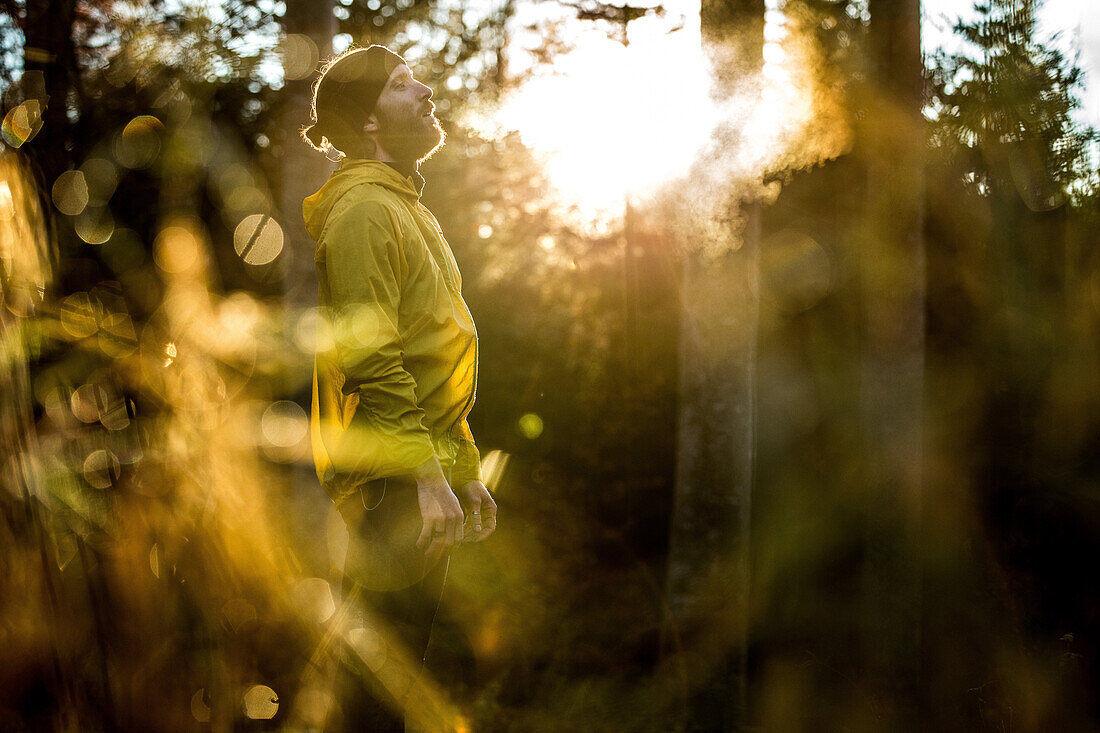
(409, 137)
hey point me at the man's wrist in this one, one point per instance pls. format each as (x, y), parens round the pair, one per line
(429, 473)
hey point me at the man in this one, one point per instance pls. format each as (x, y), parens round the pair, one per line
(391, 442)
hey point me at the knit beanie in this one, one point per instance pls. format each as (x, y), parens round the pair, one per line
(346, 93)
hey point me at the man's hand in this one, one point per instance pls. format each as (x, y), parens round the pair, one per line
(439, 509)
(481, 511)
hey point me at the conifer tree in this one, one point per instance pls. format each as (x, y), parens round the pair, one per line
(1002, 108)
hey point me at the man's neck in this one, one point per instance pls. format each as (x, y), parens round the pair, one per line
(406, 168)
(410, 170)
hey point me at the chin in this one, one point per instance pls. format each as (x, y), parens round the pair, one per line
(417, 141)
(442, 141)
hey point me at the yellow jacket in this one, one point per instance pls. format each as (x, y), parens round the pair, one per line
(399, 379)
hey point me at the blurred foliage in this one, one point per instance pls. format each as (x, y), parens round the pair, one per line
(166, 553)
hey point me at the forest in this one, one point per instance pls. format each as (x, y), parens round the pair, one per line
(788, 378)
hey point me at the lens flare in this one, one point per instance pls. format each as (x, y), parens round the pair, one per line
(22, 123)
(139, 143)
(261, 702)
(258, 239)
(70, 193)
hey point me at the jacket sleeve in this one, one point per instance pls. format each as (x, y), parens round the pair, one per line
(365, 267)
(467, 465)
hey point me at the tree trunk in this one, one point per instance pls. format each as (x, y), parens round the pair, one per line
(49, 74)
(708, 575)
(302, 169)
(891, 271)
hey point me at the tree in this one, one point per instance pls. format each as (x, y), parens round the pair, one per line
(708, 578)
(1004, 138)
(1009, 315)
(1002, 109)
(892, 294)
(837, 479)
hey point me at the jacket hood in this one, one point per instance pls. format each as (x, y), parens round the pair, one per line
(351, 173)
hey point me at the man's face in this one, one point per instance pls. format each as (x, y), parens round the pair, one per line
(407, 127)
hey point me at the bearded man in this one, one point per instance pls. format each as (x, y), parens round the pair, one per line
(391, 443)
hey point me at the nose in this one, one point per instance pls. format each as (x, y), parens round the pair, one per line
(425, 90)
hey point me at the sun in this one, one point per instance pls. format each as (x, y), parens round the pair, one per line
(614, 120)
